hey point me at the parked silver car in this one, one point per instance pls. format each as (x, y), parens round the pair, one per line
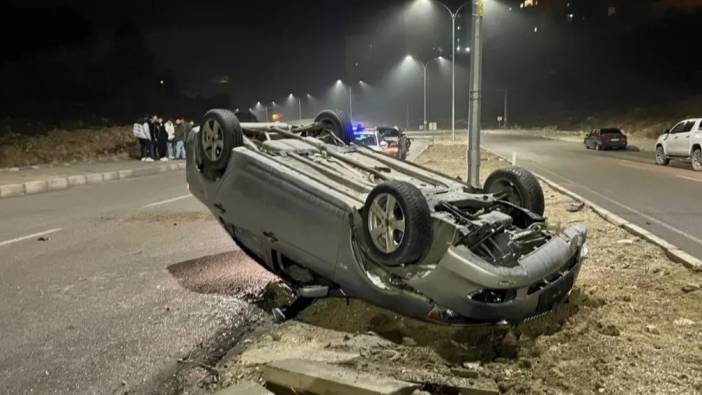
(333, 218)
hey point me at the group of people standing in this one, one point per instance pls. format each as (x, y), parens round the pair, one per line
(159, 140)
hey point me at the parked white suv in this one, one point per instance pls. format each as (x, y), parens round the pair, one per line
(683, 141)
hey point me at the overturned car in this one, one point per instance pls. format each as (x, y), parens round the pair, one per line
(336, 219)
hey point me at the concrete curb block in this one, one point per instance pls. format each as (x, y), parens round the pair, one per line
(57, 184)
(11, 190)
(62, 183)
(76, 180)
(34, 187)
(110, 176)
(94, 178)
(671, 251)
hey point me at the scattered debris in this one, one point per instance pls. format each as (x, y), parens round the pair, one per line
(684, 322)
(44, 238)
(690, 288)
(575, 207)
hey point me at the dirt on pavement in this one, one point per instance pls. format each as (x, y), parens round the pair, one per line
(632, 325)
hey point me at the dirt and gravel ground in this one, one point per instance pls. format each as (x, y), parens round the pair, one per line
(632, 325)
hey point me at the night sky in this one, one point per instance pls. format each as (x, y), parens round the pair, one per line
(79, 59)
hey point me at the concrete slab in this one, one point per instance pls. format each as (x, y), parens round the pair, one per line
(11, 190)
(77, 180)
(33, 187)
(126, 173)
(245, 388)
(57, 184)
(94, 178)
(311, 377)
(110, 176)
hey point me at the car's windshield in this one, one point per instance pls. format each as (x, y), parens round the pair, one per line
(365, 139)
(389, 132)
(610, 131)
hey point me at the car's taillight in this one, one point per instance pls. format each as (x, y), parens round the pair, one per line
(392, 150)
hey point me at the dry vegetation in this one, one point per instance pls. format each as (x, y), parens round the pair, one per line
(58, 146)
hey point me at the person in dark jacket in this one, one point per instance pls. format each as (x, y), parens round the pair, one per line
(161, 140)
(153, 133)
(181, 133)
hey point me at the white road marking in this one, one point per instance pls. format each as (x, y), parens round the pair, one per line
(690, 178)
(161, 203)
(48, 232)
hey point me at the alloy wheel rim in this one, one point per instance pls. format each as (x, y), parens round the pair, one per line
(659, 155)
(386, 223)
(697, 160)
(212, 140)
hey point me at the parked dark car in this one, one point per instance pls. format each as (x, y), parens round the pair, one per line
(398, 142)
(609, 138)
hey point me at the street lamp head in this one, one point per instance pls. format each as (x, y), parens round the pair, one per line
(339, 82)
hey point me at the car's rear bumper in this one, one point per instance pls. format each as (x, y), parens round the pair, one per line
(472, 288)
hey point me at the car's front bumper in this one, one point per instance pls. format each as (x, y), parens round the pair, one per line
(461, 281)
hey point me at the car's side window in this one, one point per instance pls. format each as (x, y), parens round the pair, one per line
(699, 126)
(678, 128)
(688, 126)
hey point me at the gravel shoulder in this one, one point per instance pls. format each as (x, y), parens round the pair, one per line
(632, 325)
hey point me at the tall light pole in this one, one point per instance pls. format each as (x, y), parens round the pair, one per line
(454, 15)
(505, 122)
(350, 102)
(425, 65)
(473, 154)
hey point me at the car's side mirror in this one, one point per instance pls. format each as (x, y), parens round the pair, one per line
(667, 131)
(384, 144)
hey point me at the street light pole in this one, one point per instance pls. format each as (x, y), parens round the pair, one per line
(505, 99)
(350, 102)
(473, 154)
(299, 108)
(425, 95)
(454, 15)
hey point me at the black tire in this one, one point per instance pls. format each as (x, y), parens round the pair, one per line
(661, 158)
(696, 159)
(405, 247)
(338, 123)
(219, 134)
(519, 186)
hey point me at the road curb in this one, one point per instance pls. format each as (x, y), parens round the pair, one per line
(34, 187)
(62, 183)
(671, 251)
(11, 190)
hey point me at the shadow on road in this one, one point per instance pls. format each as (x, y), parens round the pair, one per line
(231, 273)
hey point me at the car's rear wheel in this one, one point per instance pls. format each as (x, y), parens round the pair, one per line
(336, 122)
(219, 134)
(697, 159)
(661, 158)
(517, 186)
(397, 228)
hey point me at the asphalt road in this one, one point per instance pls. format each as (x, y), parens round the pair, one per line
(130, 277)
(664, 200)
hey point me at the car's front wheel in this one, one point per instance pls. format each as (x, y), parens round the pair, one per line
(219, 134)
(661, 158)
(697, 159)
(397, 228)
(517, 186)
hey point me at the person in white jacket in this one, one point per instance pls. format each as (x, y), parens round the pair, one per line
(141, 132)
(170, 130)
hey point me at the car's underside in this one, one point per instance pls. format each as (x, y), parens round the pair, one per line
(338, 219)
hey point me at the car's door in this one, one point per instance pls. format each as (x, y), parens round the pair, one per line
(678, 141)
